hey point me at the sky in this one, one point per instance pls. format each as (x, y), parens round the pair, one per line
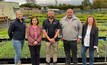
(51, 1)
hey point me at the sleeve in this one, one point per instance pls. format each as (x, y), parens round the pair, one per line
(61, 28)
(44, 25)
(79, 29)
(30, 39)
(82, 40)
(11, 29)
(58, 25)
(96, 37)
(83, 30)
(40, 37)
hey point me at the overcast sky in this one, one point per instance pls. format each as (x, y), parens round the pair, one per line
(51, 1)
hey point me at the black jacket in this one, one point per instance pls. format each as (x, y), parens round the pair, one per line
(93, 36)
(17, 30)
(51, 28)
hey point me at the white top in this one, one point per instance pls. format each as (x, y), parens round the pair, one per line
(87, 37)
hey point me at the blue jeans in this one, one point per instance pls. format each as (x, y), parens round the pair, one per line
(91, 55)
(18, 46)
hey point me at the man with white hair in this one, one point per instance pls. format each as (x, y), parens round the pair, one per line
(16, 32)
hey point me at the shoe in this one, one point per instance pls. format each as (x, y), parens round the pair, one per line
(47, 63)
(19, 63)
(55, 63)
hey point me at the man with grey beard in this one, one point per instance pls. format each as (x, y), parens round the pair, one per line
(71, 30)
(51, 28)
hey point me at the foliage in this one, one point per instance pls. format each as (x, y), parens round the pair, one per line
(100, 4)
(1, 0)
(101, 18)
(4, 33)
(7, 51)
(29, 5)
(65, 6)
(86, 5)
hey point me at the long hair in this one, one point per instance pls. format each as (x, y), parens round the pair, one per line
(94, 21)
(32, 19)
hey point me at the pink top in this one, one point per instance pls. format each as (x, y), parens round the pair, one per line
(34, 33)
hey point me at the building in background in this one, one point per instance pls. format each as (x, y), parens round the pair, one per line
(7, 9)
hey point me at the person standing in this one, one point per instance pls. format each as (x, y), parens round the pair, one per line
(16, 32)
(71, 30)
(34, 35)
(51, 29)
(89, 39)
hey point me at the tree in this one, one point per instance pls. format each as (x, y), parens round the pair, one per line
(86, 4)
(29, 5)
(99, 4)
(1, 0)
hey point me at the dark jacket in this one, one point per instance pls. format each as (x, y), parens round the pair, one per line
(51, 28)
(93, 36)
(17, 30)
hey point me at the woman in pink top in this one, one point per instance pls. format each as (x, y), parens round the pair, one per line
(34, 35)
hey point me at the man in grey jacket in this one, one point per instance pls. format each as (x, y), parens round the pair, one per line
(71, 30)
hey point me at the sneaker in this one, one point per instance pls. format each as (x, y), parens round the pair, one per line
(19, 63)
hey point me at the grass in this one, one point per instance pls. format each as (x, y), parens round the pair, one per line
(4, 33)
(7, 51)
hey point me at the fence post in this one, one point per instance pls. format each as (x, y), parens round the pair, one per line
(106, 50)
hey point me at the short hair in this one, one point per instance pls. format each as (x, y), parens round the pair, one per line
(50, 11)
(70, 9)
(18, 11)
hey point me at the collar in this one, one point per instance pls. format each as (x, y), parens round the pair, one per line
(52, 21)
(73, 17)
(19, 19)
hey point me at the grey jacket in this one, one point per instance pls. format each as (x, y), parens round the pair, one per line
(71, 30)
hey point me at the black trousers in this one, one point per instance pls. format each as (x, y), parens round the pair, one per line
(70, 45)
(35, 54)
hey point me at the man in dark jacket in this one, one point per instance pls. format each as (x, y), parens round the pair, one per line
(51, 28)
(16, 32)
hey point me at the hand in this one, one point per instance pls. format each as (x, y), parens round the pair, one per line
(35, 43)
(61, 39)
(52, 40)
(95, 47)
(78, 40)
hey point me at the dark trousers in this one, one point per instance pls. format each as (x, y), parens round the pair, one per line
(70, 45)
(35, 54)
